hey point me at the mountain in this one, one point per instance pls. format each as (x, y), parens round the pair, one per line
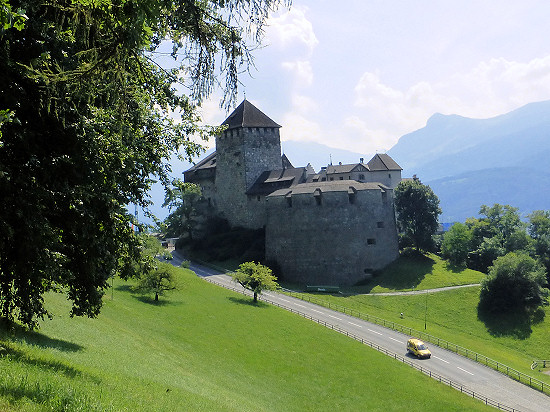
(470, 162)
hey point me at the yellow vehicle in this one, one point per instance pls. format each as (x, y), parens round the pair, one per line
(418, 348)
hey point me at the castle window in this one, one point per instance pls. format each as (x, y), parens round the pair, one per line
(361, 177)
(317, 195)
(323, 179)
(371, 241)
(331, 179)
(341, 178)
(389, 175)
(379, 225)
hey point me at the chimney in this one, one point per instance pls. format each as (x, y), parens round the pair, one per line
(340, 163)
(361, 159)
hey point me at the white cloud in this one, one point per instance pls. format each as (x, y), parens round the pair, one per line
(291, 28)
(301, 71)
(493, 87)
(298, 128)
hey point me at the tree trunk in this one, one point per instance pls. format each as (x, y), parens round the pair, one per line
(255, 296)
(156, 297)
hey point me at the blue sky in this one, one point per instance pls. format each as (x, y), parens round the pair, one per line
(358, 75)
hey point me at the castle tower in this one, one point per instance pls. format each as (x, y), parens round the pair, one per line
(250, 145)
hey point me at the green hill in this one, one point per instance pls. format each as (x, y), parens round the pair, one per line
(203, 348)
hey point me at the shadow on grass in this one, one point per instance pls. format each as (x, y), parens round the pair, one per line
(515, 324)
(124, 288)
(18, 355)
(451, 267)
(151, 300)
(248, 301)
(405, 273)
(17, 332)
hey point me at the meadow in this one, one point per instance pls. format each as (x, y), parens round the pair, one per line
(202, 348)
(515, 340)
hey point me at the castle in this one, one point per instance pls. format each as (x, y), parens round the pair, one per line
(334, 227)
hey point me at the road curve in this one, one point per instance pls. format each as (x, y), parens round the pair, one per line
(474, 376)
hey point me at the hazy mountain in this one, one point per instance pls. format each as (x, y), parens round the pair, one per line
(470, 162)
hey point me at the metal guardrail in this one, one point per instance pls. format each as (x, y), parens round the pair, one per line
(542, 363)
(401, 358)
(500, 367)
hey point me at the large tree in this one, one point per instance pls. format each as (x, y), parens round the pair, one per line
(539, 229)
(87, 117)
(456, 244)
(417, 209)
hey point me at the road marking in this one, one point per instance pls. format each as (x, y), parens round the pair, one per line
(284, 300)
(300, 306)
(335, 317)
(442, 360)
(373, 331)
(464, 370)
(355, 324)
(397, 340)
(318, 311)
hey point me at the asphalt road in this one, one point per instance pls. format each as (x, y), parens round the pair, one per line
(472, 375)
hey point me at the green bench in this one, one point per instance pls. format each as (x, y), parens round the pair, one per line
(327, 289)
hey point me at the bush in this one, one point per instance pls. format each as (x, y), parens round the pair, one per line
(515, 283)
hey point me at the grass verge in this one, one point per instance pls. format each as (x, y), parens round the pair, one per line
(203, 348)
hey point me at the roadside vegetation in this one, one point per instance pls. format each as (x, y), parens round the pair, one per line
(202, 349)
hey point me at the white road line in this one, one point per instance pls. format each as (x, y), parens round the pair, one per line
(355, 324)
(335, 317)
(300, 306)
(284, 300)
(373, 331)
(464, 370)
(318, 311)
(442, 360)
(397, 340)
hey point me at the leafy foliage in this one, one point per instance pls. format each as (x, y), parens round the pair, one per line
(255, 277)
(183, 198)
(456, 244)
(417, 209)
(88, 119)
(158, 280)
(539, 229)
(515, 283)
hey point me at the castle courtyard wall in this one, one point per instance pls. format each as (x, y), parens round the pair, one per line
(335, 238)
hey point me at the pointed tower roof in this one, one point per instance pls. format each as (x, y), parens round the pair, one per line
(248, 115)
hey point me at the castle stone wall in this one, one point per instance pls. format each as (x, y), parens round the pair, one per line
(242, 154)
(337, 238)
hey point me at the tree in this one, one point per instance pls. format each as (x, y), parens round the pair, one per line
(515, 283)
(89, 119)
(183, 198)
(499, 231)
(456, 244)
(417, 209)
(539, 229)
(255, 277)
(158, 280)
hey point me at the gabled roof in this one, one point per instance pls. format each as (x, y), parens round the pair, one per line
(208, 162)
(272, 180)
(346, 168)
(248, 115)
(286, 162)
(382, 161)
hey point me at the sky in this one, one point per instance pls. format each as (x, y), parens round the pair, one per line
(359, 74)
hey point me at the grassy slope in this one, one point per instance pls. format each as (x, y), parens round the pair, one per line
(206, 349)
(451, 315)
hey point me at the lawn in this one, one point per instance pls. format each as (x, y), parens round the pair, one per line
(451, 315)
(203, 348)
